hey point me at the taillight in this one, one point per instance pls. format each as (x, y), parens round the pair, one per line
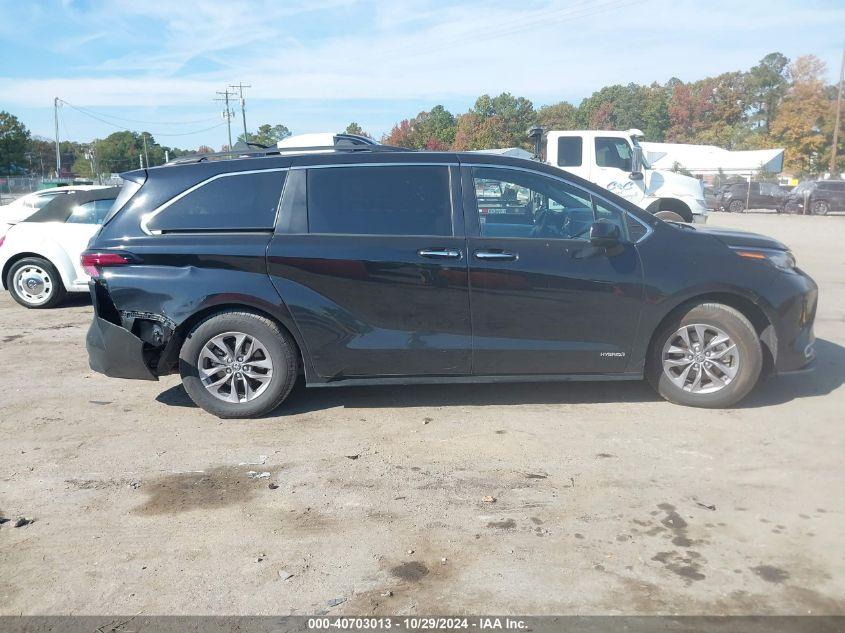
(92, 262)
(2, 239)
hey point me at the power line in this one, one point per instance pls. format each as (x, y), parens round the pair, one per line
(122, 127)
(113, 116)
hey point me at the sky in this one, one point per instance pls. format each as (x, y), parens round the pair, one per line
(316, 65)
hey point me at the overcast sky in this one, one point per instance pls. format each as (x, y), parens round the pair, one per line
(316, 65)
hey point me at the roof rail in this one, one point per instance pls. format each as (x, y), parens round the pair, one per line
(342, 143)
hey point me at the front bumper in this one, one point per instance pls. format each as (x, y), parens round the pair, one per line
(794, 326)
(116, 352)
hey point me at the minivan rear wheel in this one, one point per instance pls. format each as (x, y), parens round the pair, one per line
(708, 355)
(238, 364)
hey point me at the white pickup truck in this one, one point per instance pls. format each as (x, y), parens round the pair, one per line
(615, 160)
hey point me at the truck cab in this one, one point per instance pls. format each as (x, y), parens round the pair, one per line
(614, 160)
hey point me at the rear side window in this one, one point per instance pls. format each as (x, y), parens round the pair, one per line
(569, 151)
(93, 212)
(394, 200)
(232, 202)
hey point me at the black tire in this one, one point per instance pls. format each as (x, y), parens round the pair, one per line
(741, 332)
(820, 207)
(57, 290)
(736, 206)
(282, 352)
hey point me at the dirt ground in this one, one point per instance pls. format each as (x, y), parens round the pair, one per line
(607, 499)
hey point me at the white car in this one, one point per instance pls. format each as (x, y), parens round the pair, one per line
(39, 257)
(22, 208)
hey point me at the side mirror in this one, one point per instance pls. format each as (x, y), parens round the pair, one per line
(637, 164)
(604, 233)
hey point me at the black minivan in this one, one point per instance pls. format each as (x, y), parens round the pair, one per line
(364, 264)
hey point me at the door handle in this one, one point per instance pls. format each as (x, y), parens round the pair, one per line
(500, 256)
(439, 253)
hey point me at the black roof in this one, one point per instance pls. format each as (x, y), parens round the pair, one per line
(60, 208)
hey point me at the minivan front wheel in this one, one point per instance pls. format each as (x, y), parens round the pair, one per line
(707, 356)
(238, 364)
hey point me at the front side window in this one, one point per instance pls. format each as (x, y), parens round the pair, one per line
(569, 151)
(93, 212)
(234, 202)
(388, 200)
(613, 152)
(513, 203)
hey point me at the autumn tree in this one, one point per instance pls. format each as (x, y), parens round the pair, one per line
(800, 117)
(558, 116)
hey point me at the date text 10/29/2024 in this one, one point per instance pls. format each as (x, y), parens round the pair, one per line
(417, 624)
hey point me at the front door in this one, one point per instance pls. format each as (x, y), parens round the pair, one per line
(376, 279)
(612, 165)
(544, 300)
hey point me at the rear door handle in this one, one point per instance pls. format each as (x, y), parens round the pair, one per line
(439, 253)
(501, 256)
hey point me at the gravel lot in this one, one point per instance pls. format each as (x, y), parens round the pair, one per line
(607, 499)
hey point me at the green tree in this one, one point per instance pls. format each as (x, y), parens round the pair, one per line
(504, 120)
(267, 134)
(14, 142)
(354, 128)
(767, 83)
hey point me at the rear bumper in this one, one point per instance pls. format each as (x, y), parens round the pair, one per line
(116, 352)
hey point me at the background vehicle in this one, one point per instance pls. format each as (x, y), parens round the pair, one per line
(755, 195)
(614, 160)
(26, 205)
(39, 258)
(825, 196)
(369, 265)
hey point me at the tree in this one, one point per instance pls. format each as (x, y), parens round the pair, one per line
(205, 149)
(14, 142)
(558, 116)
(354, 128)
(505, 120)
(433, 130)
(267, 134)
(801, 116)
(767, 85)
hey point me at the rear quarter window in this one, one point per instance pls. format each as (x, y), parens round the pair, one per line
(236, 201)
(390, 200)
(569, 151)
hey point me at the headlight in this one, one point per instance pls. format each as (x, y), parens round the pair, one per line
(782, 260)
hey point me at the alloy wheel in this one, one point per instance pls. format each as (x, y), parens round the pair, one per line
(700, 358)
(235, 367)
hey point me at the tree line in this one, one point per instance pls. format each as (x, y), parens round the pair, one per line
(776, 103)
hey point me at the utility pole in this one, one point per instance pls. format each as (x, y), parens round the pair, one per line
(146, 155)
(227, 113)
(56, 120)
(240, 88)
(838, 116)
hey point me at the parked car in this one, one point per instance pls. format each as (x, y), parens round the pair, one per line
(23, 207)
(824, 196)
(39, 257)
(369, 266)
(762, 195)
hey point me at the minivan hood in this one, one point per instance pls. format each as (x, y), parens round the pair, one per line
(741, 238)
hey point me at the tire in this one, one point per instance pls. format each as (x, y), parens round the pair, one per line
(820, 207)
(35, 283)
(271, 343)
(746, 360)
(669, 216)
(736, 206)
